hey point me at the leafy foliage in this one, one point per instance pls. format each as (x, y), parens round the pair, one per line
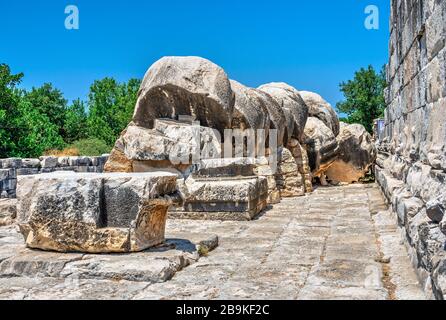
(75, 122)
(36, 132)
(111, 108)
(364, 97)
(9, 100)
(50, 102)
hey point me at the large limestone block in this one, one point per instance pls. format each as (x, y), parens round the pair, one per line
(8, 211)
(300, 155)
(357, 153)
(147, 144)
(226, 167)
(289, 179)
(269, 171)
(250, 111)
(171, 145)
(434, 140)
(181, 86)
(241, 167)
(321, 145)
(236, 198)
(95, 213)
(276, 115)
(295, 108)
(321, 109)
(289, 127)
(118, 162)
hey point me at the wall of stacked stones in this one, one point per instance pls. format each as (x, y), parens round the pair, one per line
(412, 161)
(13, 167)
(416, 96)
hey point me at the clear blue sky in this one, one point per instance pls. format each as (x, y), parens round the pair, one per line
(312, 45)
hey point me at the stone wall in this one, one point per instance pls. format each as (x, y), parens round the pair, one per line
(13, 167)
(412, 154)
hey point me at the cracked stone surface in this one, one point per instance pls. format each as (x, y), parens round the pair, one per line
(336, 243)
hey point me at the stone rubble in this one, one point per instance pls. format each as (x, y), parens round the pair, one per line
(357, 154)
(321, 109)
(322, 147)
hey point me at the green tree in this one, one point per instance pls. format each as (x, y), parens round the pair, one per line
(49, 102)
(111, 106)
(9, 100)
(364, 97)
(75, 120)
(35, 132)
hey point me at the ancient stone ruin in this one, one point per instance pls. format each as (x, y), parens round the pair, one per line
(234, 149)
(271, 170)
(412, 152)
(200, 146)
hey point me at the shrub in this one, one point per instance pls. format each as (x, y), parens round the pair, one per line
(91, 147)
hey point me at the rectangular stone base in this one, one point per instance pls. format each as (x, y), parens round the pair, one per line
(235, 198)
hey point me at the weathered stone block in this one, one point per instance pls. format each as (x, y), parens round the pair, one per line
(240, 198)
(4, 174)
(250, 112)
(170, 144)
(10, 184)
(27, 171)
(322, 146)
(66, 211)
(295, 109)
(180, 86)
(357, 154)
(436, 29)
(48, 162)
(12, 163)
(31, 163)
(289, 179)
(226, 167)
(322, 110)
(62, 161)
(73, 161)
(8, 211)
(84, 161)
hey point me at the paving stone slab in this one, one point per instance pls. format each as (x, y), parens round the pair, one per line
(341, 293)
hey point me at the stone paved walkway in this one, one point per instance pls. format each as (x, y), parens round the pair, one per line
(336, 243)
